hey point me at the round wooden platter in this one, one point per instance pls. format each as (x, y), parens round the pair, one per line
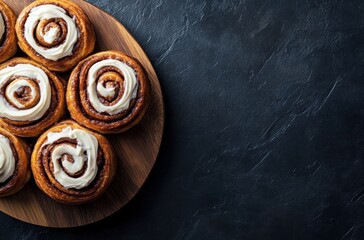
(137, 149)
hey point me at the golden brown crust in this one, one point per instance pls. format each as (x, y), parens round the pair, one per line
(8, 42)
(85, 43)
(82, 111)
(22, 173)
(42, 170)
(54, 114)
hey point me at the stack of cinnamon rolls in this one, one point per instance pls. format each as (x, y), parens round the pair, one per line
(107, 93)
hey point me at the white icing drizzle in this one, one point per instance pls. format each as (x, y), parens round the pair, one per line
(50, 11)
(130, 87)
(84, 153)
(2, 26)
(7, 160)
(29, 71)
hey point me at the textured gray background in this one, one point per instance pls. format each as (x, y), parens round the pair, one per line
(265, 123)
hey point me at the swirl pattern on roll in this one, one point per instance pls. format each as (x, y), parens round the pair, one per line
(108, 92)
(116, 86)
(14, 163)
(56, 33)
(31, 97)
(26, 92)
(72, 164)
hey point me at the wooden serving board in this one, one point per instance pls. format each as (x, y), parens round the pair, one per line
(137, 149)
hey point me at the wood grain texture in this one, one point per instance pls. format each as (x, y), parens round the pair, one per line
(137, 149)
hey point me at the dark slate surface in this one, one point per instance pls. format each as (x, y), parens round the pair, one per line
(265, 123)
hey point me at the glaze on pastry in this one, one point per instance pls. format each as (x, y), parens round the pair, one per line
(108, 92)
(55, 33)
(71, 164)
(31, 97)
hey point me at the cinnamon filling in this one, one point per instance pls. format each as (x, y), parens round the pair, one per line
(24, 94)
(51, 32)
(113, 79)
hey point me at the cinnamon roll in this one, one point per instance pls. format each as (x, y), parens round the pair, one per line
(31, 97)
(14, 163)
(56, 33)
(71, 164)
(108, 92)
(8, 40)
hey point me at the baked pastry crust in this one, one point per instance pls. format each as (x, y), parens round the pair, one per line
(56, 110)
(8, 41)
(83, 46)
(21, 152)
(82, 106)
(43, 166)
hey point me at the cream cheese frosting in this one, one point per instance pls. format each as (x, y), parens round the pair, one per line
(51, 35)
(50, 11)
(130, 87)
(105, 91)
(7, 159)
(20, 114)
(84, 153)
